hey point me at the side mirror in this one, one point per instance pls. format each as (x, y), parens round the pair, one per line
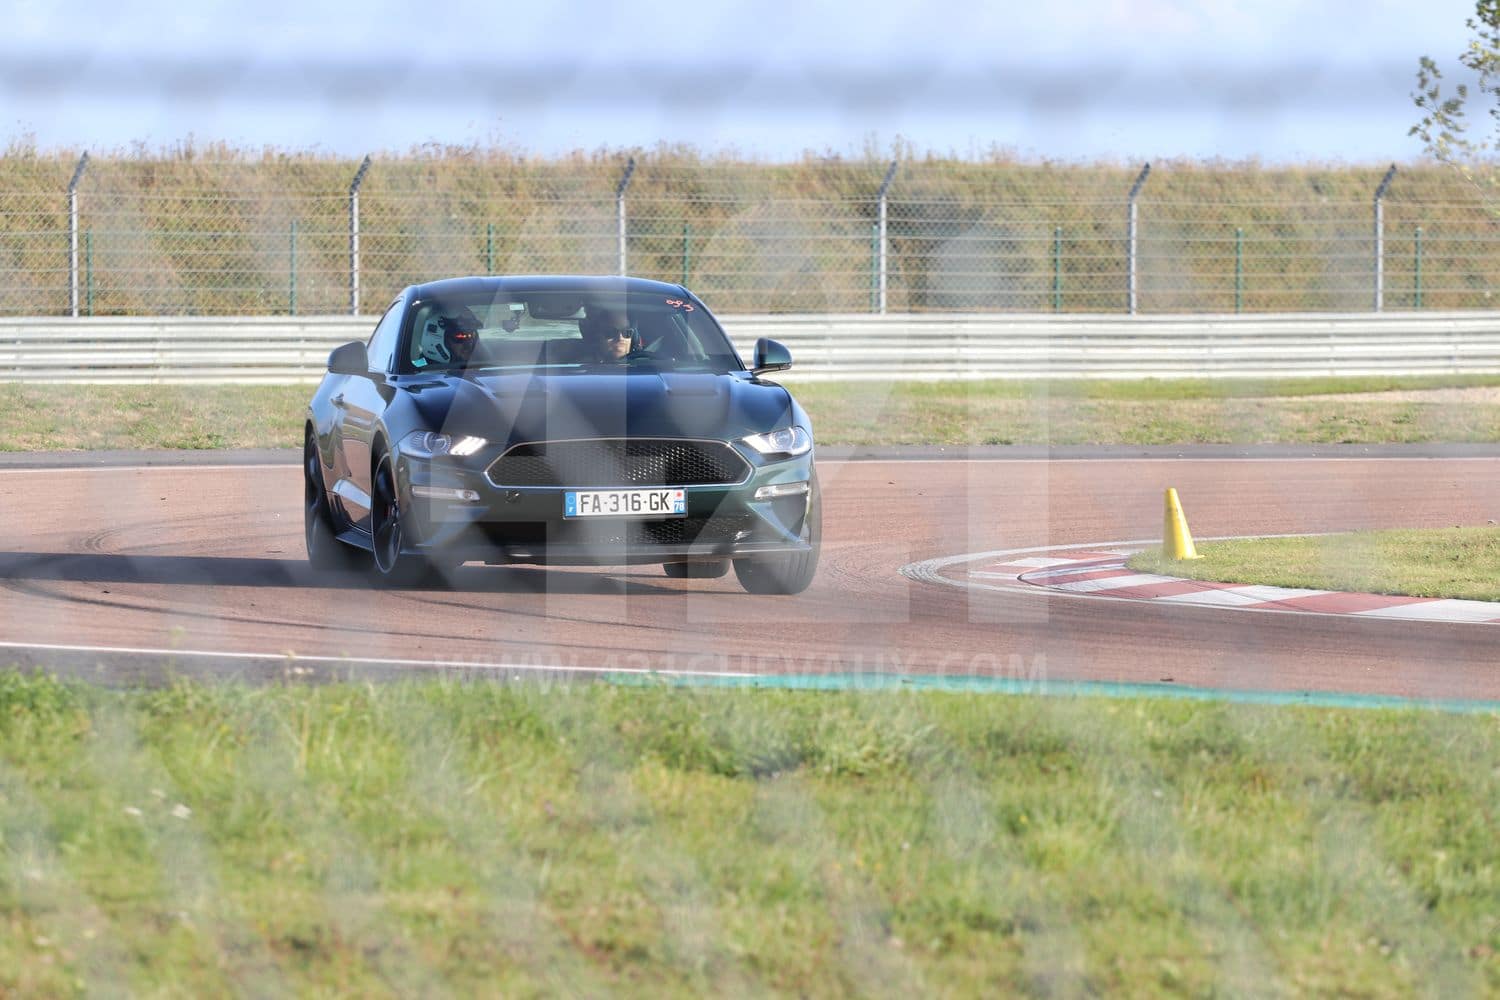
(770, 356)
(349, 359)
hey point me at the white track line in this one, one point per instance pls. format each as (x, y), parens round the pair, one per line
(930, 571)
(1268, 594)
(1215, 598)
(1039, 562)
(1446, 610)
(1122, 581)
(293, 659)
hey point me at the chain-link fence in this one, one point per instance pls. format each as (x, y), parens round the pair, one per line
(232, 236)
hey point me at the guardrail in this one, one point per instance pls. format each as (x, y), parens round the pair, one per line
(283, 349)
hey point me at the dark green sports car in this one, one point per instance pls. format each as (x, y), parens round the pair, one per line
(560, 420)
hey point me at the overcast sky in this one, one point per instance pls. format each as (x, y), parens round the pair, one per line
(1119, 79)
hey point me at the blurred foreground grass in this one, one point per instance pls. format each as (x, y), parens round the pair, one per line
(439, 836)
(1136, 412)
(1461, 562)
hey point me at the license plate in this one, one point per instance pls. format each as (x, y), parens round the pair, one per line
(625, 503)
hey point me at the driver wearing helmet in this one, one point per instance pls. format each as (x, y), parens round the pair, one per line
(449, 340)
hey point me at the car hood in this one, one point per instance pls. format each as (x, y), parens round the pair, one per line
(511, 408)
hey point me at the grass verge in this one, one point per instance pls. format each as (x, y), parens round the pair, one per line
(434, 836)
(97, 417)
(1139, 412)
(1443, 562)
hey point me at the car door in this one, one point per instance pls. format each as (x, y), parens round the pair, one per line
(358, 404)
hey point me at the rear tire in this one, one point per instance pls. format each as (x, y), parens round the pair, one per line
(696, 570)
(325, 553)
(390, 566)
(787, 572)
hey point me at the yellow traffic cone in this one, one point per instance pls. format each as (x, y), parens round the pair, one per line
(1176, 539)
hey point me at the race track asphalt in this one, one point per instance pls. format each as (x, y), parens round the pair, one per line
(124, 571)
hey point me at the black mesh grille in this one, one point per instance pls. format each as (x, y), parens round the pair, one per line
(610, 463)
(677, 531)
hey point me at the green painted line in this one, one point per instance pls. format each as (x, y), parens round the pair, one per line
(1066, 689)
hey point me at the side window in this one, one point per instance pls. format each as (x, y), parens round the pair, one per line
(383, 341)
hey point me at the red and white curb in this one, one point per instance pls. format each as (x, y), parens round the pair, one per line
(1099, 571)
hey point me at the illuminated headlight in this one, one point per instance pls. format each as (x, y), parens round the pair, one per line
(789, 441)
(430, 444)
(781, 490)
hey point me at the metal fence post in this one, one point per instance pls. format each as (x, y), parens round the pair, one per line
(359, 177)
(88, 270)
(291, 293)
(1057, 269)
(620, 208)
(1130, 241)
(1417, 265)
(489, 248)
(1239, 269)
(687, 249)
(874, 266)
(83, 162)
(880, 197)
(1385, 182)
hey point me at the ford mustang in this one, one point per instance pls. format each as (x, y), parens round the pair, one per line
(559, 420)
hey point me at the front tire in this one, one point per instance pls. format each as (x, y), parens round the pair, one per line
(391, 566)
(325, 553)
(787, 572)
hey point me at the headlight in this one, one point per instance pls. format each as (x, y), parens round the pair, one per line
(779, 490)
(789, 441)
(430, 444)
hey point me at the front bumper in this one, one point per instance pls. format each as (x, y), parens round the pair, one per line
(526, 524)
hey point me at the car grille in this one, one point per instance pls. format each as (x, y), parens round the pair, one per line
(619, 462)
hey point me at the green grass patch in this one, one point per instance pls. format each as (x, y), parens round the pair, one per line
(1136, 412)
(1140, 412)
(435, 836)
(1443, 562)
(95, 417)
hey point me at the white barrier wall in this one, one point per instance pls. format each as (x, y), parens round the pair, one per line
(295, 349)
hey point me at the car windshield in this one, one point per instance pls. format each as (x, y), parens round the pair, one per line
(563, 330)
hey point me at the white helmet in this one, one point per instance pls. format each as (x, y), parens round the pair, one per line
(432, 346)
(449, 339)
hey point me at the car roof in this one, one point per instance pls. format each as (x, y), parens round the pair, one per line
(584, 283)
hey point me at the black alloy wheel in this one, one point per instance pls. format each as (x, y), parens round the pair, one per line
(391, 565)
